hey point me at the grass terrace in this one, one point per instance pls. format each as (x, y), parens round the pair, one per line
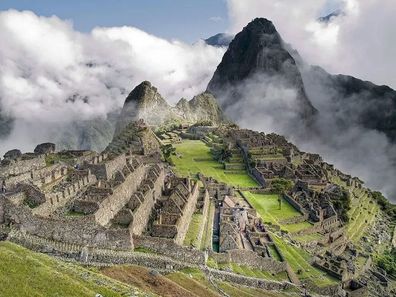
(26, 273)
(194, 156)
(300, 261)
(206, 241)
(193, 229)
(362, 215)
(267, 206)
(248, 271)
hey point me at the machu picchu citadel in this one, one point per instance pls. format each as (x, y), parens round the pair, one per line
(183, 201)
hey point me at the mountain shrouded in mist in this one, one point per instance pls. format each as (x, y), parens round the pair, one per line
(262, 83)
(257, 50)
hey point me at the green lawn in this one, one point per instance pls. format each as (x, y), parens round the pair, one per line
(267, 206)
(25, 273)
(308, 237)
(194, 157)
(293, 228)
(193, 229)
(206, 241)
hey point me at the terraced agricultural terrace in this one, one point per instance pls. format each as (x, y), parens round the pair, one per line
(194, 156)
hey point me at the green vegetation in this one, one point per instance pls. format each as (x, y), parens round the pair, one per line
(362, 214)
(193, 281)
(386, 206)
(308, 237)
(239, 291)
(247, 271)
(222, 154)
(252, 272)
(387, 261)
(296, 227)
(269, 208)
(280, 185)
(193, 229)
(343, 205)
(52, 159)
(167, 151)
(206, 242)
(299, 261)
(203, 123)
(25, 273)
(195, 157)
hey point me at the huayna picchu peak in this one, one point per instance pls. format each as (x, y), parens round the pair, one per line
(257, 50)
(219, 193)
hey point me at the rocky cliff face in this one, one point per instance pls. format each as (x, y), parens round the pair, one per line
(145, 102)
(258, 50)
(203, 107)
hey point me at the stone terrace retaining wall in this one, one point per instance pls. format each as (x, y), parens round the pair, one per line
(249, 258)
(295, 204)
(73, 230)
(168, 247)
(103, 257)
(120, 196)
(22, 166)
(249, 281)
(142, 212)
(105, 170)
(205, 211)
(295, 220)
(188, 210)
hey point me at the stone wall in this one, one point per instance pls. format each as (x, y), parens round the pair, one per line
(294, 220)
(12, 181)
(57, 199)
(106, 169)
(249, 281)
(205, 212)
(73, 230)
(23, 165)
(122, 193)
(141, 213)
(249, 258)
(188, 210)
(2, 201)
(294, 203)
(169, 248)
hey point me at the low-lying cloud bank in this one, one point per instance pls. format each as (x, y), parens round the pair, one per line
(52, 75)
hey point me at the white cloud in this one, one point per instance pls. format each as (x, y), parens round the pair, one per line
(361, 43)
(51, 73)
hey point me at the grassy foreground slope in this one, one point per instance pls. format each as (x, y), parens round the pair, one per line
(26, 273)
(194, 156)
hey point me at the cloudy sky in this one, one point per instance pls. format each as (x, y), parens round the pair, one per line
(66, 61)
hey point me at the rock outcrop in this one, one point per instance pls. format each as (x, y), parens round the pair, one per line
(144, 102)
(203, 107)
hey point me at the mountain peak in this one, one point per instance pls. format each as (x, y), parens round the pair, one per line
(261, 25)
(145, 94)
(144, 102)
(257, 51)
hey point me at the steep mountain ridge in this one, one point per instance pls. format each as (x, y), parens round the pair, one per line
(145, 102)
(257, 50)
